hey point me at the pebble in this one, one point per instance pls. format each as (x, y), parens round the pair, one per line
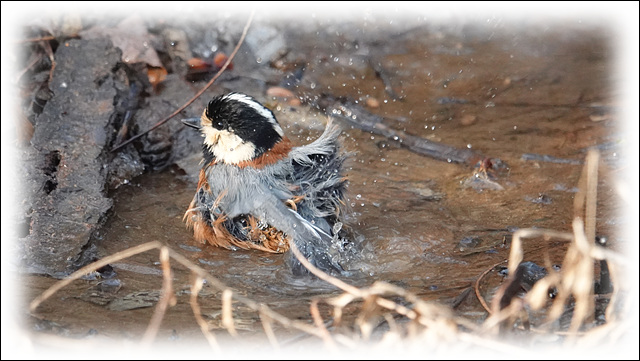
(372, 103)
(468, 119)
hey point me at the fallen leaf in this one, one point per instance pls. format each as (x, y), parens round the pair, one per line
(131, 36)
(219, 59)
(156, 75)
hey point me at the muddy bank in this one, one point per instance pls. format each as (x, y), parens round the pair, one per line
(66, 170)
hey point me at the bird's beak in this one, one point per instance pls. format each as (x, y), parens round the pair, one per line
(192, 122)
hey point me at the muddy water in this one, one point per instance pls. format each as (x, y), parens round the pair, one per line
(545, 92)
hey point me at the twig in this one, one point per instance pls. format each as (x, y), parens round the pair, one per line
(195, 307)
(49, 51)
(34, 60)
(90, 268)
(33, 40)
(167, 298)
(268, 330)
(477, 286)
(227, 313)
(400, 309)
(593, 158)
(516, 254)
(317, 319)
(177, 111)
(356, 116)
(324, 276)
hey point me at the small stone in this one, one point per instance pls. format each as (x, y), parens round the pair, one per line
(280, 92)
(372, 103)
(468, 119)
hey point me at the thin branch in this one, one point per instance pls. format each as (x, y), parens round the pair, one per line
(477, 286)
(593, 158)
(317, 319)
(167, 298)
(195, 307)
(49, 51)
(35, 58)
(268, 330)
(91, 268)
(177, 111)
(324, 276)
(227, 313)
(33, 40)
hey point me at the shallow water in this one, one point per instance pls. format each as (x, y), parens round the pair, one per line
(504, 95)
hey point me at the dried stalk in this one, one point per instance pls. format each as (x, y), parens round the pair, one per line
(227, 313)
(91, 268)
(166, 299)
(317, 319)
(195, 307)
(268, 330)
(476, 286)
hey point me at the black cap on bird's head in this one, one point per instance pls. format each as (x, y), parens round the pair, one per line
(236, 127)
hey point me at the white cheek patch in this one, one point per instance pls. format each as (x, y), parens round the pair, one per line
(210, 135)
(258, 108)
(227, 146)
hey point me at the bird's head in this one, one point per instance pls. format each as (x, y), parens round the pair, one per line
(237, 128)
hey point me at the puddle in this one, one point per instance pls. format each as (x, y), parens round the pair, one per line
(507, 96)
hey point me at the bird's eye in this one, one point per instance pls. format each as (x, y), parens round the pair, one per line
(218, 125)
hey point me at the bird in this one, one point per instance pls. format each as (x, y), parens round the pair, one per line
(256, 190)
